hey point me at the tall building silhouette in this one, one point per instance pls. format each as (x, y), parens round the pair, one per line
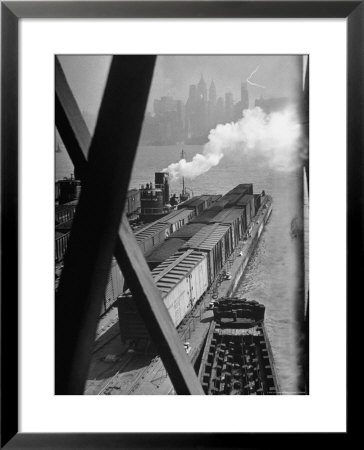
(243, 103)
(174, 121)
(211, 107)
(202, 89)
(212, 93)
(229, 107)
(197, 113)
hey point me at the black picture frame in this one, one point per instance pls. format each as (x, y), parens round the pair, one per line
(11, 13)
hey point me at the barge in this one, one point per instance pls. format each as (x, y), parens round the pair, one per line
(198, 263)
(237, 359)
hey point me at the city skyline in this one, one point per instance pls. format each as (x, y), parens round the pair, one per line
(280, 74)
(173, 120)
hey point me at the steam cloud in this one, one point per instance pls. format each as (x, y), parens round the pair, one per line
(275, 137)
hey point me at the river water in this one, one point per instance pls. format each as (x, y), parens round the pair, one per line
(273, 273)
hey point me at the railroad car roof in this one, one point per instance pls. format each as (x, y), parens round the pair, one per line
(192, 201)
(166, 249)
(242, 188)
(245, 199)
(208, 238)
(169, 273)
(232, 199)
(151, 230)
(205, 216)
(199, 237)
(227, 215)
(219, 205)
(65, 207)
(65, 225)
(187, 231)
(59, 234)
(174, 216)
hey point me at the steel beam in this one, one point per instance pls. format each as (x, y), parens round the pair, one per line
(81, 306)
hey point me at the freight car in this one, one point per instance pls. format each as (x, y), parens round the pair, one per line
(67, 190)
(149, 237)
(61, 241)
(114, 287)
(65, 212)
(164, 251)
(182, 280)
(214, 240)
(152, 235)
(199, 203)
(177, 219)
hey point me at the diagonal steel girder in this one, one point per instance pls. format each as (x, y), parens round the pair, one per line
(97, 234)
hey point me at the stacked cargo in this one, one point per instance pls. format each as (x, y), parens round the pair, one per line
(186, 262)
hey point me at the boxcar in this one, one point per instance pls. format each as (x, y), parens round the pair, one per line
(149, 237)
(64, 213)
(211, 239)
(177, 219)
(115, 285)
(182, 279)
(187, 231)
(61, 241)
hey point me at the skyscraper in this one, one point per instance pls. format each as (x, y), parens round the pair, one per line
(212, 93)
(229, 107)
(202, 89)
(244, 96)
(243, 103)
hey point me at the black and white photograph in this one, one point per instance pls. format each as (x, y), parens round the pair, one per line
(181, 224)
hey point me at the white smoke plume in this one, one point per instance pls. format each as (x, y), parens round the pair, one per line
(275, 138)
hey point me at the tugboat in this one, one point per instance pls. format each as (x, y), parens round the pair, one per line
(155, 200)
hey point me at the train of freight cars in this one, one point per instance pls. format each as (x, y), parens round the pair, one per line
(189, 261)
(147, 237)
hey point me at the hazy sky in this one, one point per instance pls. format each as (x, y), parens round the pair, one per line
(280, 74)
